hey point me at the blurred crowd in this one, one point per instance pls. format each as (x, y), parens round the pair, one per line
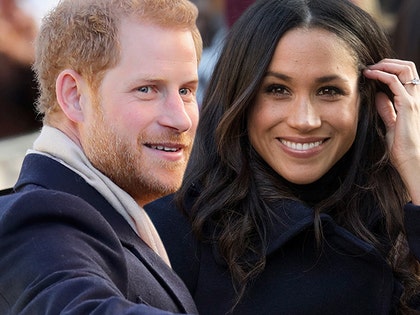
(19, 22)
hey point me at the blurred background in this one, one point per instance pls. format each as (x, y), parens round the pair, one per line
(19, 24)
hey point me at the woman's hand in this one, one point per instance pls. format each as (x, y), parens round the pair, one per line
(401, 117)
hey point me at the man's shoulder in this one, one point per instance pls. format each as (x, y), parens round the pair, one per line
(36, 203)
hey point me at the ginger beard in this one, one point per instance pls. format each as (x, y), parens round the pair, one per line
(130, 168)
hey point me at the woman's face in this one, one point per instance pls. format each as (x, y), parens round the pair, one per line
(306, 111)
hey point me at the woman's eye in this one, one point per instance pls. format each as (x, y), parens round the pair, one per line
(330, 91)
(277, 90)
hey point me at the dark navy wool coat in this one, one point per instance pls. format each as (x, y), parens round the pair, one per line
(65, 250)
(345, 276)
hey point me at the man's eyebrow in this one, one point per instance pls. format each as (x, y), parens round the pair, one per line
(145, 80)
(149, 79)
(192, 82)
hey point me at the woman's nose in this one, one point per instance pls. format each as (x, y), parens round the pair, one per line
(303, 115)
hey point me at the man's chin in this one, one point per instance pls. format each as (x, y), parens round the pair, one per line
(152, 191)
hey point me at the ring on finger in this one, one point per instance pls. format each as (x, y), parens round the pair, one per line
(415, 81)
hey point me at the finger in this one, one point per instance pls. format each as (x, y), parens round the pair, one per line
(398, 61)
(406, 71)
(390, 79)
(390, 63)
(386, 110)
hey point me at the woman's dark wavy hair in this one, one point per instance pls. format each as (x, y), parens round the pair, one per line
(237, 187)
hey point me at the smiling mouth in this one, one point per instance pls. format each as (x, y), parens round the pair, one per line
(164, 148)
(298, 146)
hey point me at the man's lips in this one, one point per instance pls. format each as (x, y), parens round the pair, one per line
(165, 147)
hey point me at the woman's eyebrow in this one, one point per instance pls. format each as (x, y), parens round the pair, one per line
(323, 79)
(278, 75)
(329, 78)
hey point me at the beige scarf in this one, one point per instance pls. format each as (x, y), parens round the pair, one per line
(58, 146)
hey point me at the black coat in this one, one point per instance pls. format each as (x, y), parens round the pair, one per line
(344, 276)
(65, 249)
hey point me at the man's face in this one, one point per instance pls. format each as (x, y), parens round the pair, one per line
(142, 133)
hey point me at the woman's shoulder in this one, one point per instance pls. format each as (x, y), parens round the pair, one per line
(165, 213)
(176, 234)
(171, 223)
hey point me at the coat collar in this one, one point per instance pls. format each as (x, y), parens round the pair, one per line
(289, 218)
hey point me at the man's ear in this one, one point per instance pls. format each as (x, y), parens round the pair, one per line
(71, 90)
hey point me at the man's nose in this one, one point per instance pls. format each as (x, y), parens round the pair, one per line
(175, 115)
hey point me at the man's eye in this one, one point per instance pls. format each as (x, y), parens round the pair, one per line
(184, 91)
(144, 89)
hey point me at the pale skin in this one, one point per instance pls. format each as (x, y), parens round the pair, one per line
(305, 116)
(142, 135)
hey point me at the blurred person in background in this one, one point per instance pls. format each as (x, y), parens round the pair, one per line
(17, 87)
(212, 25)
(391, 6)
(385, 19)
(406, 35)
(18, 121)
(215, 19)
(210, 19)
(234, 9)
